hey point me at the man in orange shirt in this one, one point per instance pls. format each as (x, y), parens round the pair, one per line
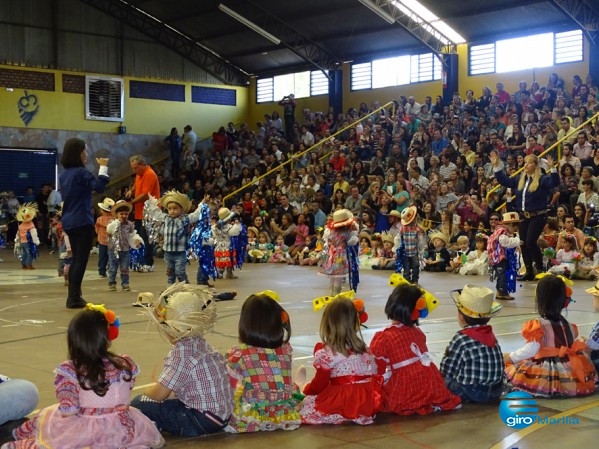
(146, 184)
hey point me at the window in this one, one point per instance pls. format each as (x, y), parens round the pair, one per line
(301, 84)
(539, 50)
(396, 71)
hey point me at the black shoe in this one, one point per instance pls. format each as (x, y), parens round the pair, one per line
(78, 303)
(527, 277)
(7, 428)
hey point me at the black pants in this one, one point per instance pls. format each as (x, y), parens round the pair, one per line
(530, 231)
(148, 258)
(81, 239)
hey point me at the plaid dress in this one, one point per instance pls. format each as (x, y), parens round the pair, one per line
(265, 397)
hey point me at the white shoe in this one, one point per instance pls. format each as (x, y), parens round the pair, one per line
(147, 268)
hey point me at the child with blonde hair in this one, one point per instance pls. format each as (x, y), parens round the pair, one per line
(413, 383)
(463, 243)
(346, 386)
(260, 368)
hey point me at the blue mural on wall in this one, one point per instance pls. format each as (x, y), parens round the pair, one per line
(28, 107)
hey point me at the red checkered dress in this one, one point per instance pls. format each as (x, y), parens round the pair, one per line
(417, 386)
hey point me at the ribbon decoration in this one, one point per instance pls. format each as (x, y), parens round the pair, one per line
(32, 246)
(422, 357)
(513, 266)
(136, 257)
(200, 243)
(153, 226)
(238, 247)
(400, 254)
(431, 300)
(18, 251)
(354, 262)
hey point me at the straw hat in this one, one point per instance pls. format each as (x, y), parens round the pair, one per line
(257, 253)
(184, 310)
(511, 217)
(27, 212)
(593, 290)
(172, 196)
(225, 214)
(476, 302)
(342, 217)
(408, 215)
(395, 213)
(438, 235)
(120, 205)
(106, 204)
(253, 229)
(365, 235)
(386, 237)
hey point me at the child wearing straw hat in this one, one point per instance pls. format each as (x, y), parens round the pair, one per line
(438, 258)
(27, 238)
(502, 257)
(123, 237)
(102, 235)
(473, 362)
(175, 231)
(192, 396)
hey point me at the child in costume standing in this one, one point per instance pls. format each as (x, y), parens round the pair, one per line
(102, 235)
(192, 395)
(552, 362)
(93, 388)
(501, 248)
(225, 254)
(346, 386)
(413, 384)
(473, 362)
(27, 235)
(409, 243)
(336, 264)
(260, 368)
(123, 237)
(175, 231)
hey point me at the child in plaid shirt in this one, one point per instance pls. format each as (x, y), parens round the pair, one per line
(123, 237)
(411, 236)
(473, 362)
(102, 235)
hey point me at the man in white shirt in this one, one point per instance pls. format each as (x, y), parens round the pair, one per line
(583, 150)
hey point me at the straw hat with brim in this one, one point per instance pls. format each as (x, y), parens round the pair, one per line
(254, 230)
(365, 235)
(172, 196)
(511, 217)
(438, 235)
(476, 302)
(257, 253)
(593, 290)
(342, 217)
(183, 310)
(27, 212)
(395, 213)
(386, 237)
(120, 206)
(107, 204)
(408, 215)
(224, 214)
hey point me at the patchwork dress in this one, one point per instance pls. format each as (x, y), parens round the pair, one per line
(264, 393)
(559, 368)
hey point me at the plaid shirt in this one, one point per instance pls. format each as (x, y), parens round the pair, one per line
(471, 362)
(593, 340)
(176, 231)
(411, 236)
(101, 224)
(198, 376)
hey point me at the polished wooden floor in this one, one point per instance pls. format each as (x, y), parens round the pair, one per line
(33, 323)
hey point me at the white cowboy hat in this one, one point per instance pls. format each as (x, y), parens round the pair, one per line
(476, 302)
(511, 217)
(342, 217)
(408, 215)
(225, 214)
(106, 204)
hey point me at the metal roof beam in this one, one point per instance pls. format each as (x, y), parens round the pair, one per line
(309, 51)
(417, 27)
(173, 39)
(581, 13)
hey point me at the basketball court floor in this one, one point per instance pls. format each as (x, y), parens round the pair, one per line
(33, 323)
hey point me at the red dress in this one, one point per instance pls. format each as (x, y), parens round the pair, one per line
(345, 388)
(413, 382)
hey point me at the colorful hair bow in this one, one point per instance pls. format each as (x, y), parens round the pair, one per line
(567, 282)
(360, 306)
(431, 301)
(113, 321)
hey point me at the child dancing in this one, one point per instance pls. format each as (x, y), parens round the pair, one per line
(93, 388)
(346, 386)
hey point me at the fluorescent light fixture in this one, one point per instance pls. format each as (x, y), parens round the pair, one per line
(378, 11)
(419, 13)
(249, 24)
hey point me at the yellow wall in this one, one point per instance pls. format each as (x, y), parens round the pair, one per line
(66, 111)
